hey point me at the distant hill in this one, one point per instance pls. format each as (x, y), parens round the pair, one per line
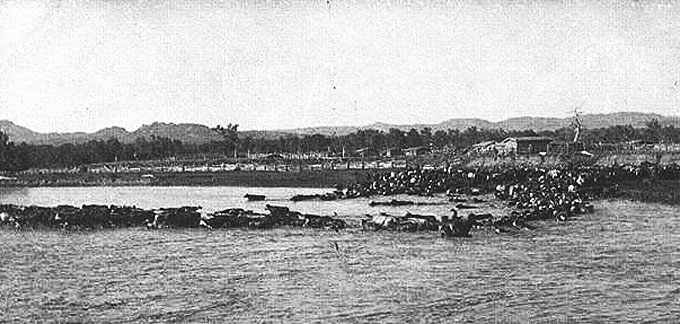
(187, 133)
(592, 121)
(462, 123)
(258, 134)
(198, 134)
(637, 120)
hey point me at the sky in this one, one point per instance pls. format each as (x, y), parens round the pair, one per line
(86, 65)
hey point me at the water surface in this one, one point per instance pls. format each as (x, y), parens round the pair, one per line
(618, 265)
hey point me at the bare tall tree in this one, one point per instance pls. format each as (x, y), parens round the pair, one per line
(576, 124)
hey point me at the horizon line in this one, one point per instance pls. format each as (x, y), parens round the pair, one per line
(336, 126)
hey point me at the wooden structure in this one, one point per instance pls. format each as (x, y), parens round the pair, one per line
(525, 145)
(415, 151)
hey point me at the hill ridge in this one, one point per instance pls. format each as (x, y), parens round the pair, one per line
(198, 134)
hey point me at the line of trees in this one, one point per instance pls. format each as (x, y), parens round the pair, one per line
(23, 156)
(12, 158)
(453, 138)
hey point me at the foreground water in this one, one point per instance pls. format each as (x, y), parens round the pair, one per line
(620, 264)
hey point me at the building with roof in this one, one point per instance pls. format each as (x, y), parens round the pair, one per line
(524, 145)
(414, 151)
(364, 152)
(483, 147)
(391, 152)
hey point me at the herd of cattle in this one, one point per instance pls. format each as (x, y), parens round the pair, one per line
(533, 193)
(595, 181)
(102, 217)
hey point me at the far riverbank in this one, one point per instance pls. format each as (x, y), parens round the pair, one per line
(657, 190)
(308, 179)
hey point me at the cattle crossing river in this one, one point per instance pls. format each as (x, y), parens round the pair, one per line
(619, 264)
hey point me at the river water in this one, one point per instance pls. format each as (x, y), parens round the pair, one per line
(620, 264)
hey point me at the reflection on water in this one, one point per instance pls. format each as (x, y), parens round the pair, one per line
(617, 265)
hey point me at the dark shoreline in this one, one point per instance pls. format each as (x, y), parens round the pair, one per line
(311, 179)
(661, 191)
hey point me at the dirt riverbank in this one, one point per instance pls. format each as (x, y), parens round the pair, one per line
(313, 179)
(661, 191)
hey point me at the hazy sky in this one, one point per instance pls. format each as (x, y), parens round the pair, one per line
(85, 65)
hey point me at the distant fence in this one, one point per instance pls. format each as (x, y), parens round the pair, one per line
(166, 166)
(605, 153)
(602, 149)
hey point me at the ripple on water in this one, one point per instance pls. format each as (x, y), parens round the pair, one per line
(617, 265)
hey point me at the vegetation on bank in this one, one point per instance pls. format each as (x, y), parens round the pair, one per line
(310, 179)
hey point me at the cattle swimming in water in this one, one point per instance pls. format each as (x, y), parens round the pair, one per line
(252, 197)
(92, 217)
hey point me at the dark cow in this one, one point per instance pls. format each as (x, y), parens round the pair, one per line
(252, 197)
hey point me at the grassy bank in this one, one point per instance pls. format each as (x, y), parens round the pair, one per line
(315, 179)
(661, 191)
